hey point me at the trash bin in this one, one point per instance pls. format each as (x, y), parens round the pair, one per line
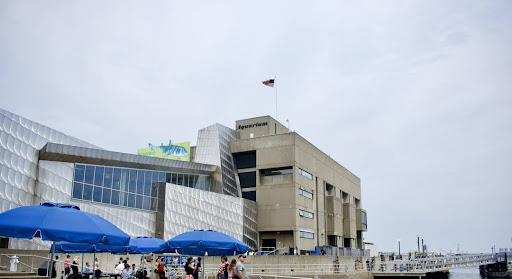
(14, 263)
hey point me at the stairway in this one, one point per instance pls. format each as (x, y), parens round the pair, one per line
(20, 275)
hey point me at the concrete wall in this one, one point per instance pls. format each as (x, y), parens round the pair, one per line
(278, 197)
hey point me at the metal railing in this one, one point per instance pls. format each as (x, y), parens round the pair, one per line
(432, 264)
(21, 263)
(290, 268)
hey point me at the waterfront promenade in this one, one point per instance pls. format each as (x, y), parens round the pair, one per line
(285, 266)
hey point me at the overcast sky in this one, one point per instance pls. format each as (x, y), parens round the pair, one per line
(414, 97)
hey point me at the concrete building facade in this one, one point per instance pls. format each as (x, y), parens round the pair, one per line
(305, 198)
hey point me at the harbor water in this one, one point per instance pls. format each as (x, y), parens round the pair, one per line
(464, 273)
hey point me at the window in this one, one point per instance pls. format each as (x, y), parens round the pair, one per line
(249, 195)
(247, 179)
(306, 174)
(277, 171)
(305, 214)
(307, 234)
(245, 160)
(306, 194)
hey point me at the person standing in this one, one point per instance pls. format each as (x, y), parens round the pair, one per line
(67, 270)
(198, 268)
(240, 268)
(96, 264)
(125, 274)
(223, 268)
(189, 268)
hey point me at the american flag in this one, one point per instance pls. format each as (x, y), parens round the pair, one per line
(269, 82)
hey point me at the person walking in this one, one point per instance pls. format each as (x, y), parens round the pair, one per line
(240, 268)
(232, 269)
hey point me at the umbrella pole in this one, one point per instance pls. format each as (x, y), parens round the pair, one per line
(203, 270)
(82, 263)
(94, 261)
(50, 263)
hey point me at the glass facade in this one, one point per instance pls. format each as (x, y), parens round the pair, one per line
(133, 188)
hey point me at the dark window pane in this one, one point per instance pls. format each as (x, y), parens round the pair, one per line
(131, 200)
(116, 182)
(89, 174)
(193, 180)
(133, 181)
(140, 182)
(78, 189)
(277, 171)
(174, 178)
(87, 192)
(115, 197)
(245, 160)
(249, 195)
(180, 179)
(138, 201)
(107, 178)
(168, 177)
(79, 173)
(98, 176)
(154, 190)
(153, 204)
(97, 194)
(124, 180)
(106, 195)
(147, 183)
(185, 180)
(146, 203)
(247, 179)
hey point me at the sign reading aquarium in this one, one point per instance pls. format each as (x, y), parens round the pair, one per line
(175, 151)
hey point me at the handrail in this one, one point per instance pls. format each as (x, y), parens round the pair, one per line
(276, 276)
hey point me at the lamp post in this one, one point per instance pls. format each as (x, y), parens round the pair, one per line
(399, 249)
(418, 244)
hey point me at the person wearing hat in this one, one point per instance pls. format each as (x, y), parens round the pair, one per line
(240, 268)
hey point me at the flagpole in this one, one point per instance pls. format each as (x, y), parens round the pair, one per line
(275, 90)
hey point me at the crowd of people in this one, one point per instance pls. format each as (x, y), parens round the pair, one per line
(234, 269)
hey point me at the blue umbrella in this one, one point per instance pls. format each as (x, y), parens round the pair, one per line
(144, 245)
(60, 222)
(200, 242)
(138, 245)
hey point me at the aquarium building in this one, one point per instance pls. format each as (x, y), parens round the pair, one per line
(258, 182)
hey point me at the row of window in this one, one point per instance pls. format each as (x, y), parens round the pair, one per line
(126, 187)
(306, 214)
(306, 234)
(99, 194)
